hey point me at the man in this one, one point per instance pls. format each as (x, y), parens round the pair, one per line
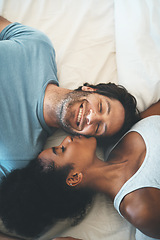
(33, 106)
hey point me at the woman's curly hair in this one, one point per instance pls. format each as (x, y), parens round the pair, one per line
(32, 199)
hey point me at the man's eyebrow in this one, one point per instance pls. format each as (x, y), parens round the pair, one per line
(109, 106)
(105, 130)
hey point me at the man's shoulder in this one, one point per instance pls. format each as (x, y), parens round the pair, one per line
(23, 32)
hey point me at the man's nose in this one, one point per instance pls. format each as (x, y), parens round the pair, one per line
(92, 117)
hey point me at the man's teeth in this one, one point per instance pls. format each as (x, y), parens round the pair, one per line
(79, 116)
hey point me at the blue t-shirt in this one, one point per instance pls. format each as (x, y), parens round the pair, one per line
(27, 65)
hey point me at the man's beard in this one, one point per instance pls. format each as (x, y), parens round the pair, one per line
(64, 106)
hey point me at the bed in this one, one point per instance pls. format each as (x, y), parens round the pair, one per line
(98, 41)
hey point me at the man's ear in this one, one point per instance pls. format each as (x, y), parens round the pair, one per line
(74, 179)
(85, 88)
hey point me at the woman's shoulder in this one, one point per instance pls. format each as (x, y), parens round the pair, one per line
(130, 145)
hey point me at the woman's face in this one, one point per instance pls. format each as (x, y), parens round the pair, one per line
(77, 150)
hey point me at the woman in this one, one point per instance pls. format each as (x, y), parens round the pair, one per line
(63, 180)
(130, 176)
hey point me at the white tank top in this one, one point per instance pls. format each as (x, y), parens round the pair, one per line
(148, 175)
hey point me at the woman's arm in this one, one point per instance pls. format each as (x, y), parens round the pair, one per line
(142, 209)
(152, 110)
(66, 238)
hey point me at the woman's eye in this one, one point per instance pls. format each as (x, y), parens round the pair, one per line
(63, 148)
(54, 150)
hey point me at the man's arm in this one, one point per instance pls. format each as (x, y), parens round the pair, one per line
(152, 110)
(3, 23)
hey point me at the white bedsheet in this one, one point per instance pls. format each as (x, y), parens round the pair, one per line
(137, 37)
(98, 41)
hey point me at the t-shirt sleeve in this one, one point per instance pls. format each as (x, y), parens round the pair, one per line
(17, 31)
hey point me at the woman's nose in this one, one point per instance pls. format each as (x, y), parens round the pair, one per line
(68, 139)
(91, 117)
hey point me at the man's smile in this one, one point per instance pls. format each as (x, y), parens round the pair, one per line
(80, 113)
(80, 116)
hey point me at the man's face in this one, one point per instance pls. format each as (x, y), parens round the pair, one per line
(91, 114)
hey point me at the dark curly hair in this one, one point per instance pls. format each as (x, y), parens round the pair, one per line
(32, 199)
(128, 101)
